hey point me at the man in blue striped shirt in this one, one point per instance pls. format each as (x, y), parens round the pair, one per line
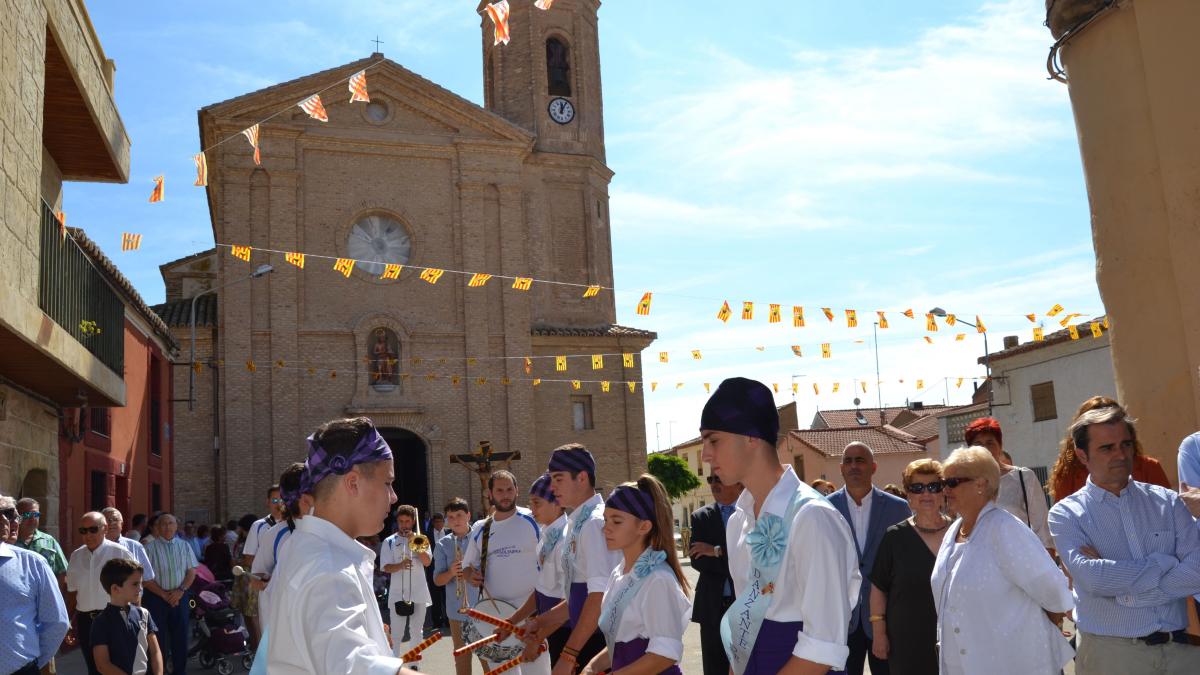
(32, 613)
(1133, 550)
(175, 570)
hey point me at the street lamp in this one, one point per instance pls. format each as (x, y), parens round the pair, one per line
(987, 355)
(262, 271)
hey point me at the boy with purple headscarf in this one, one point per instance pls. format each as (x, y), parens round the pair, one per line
(323, 613)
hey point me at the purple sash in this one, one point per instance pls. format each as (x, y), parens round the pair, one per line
(625, 653)
(575, 602)
(544, 603)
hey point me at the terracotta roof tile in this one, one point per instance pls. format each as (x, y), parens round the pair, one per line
(923, 428)
(1063, 335)
(881, 440)
(178, 313)
(610, 330)
(848, 417)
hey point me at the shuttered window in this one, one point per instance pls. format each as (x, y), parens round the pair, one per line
(1043, 401)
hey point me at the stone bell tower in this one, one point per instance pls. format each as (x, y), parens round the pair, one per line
(547, 79)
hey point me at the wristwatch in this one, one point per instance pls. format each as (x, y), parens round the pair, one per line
(719, 551)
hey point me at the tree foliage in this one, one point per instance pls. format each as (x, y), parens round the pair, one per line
(673, 472)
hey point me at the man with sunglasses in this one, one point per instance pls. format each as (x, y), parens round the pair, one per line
(31, 538)
(869, 512)
(714, 590)
(250, 549)
(83, 578)
(32, 612)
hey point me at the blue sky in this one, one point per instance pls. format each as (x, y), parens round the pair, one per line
(850, 154)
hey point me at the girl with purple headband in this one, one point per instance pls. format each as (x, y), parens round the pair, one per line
(647, 607)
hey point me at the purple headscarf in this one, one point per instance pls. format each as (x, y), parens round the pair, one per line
(632, 500)
(541, 488)
(370, 448)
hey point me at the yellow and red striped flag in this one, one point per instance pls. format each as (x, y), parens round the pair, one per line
(158, 193)
(1096, 330)
(296, 259)
(707, 387)
(632, 386)
(498, 11)
(951, 319)
(773, 316)
(930, 323)
(960, 337)
(929, 339)
(130, 242)
(863, 384)
(775, 386)
(663, 357)
(543, 4)
(797, 350)
(725, 312)
(1105, 322)
(795, 388)
(826, 350)
(979, 327)
(836, 386)
(1054, 311)
(816, 389)
(522, 283)
(528, 366)
(1032, 318)
(797, 316)
(958, 385)
(909, 313)
(344, 265)
(597, 362)
(851, 318)
(391, 271)
(747, 310)
(605, 385)
(481, 380)
(457, 380)
(882, 320)
(432, 274)
(62, 224)
(250, 366)
(560, 364)
(828, 313)
(920, 384)
(241, 252)
(653, 386)
(1038, 334)
(201, 169)
(576, 384)
(1068, 318)
(478, 279)
(643, 308)
(592, 291)
(1074, 331)
(627, 360)
(251, 135)
(315, 109)
(358, 87)
(696, 354)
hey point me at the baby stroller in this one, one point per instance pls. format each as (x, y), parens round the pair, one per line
(221, 634)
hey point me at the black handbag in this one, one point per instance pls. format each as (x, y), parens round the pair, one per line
(405, 607)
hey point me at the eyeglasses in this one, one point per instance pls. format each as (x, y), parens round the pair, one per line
(276, 501)
(918, 488)
(713, 479)
(89, 530)
(10, 514)
(29, 515)
(955, 482)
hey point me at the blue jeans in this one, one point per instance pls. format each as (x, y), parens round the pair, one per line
(173, 628)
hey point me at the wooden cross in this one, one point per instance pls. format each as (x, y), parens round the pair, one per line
(481, 463)
(377, 42)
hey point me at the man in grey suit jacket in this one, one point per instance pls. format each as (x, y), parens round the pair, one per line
(870, 511)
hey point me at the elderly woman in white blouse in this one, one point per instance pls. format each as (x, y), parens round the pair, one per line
(998, 594)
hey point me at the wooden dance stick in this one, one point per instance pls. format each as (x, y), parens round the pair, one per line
(476, 644)
(499, 623)
(509, 665)
(415, 653)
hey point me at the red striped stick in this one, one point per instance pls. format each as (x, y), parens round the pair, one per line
(415, 653)
(509, 665)
(500, 623)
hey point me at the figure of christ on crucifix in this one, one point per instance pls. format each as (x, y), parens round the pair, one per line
(481, 463)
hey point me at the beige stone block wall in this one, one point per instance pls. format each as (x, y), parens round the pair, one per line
(29, 451)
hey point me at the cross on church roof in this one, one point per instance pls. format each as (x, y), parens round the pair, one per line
(377, 42)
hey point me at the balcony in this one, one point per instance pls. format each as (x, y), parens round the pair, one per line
(73, 293)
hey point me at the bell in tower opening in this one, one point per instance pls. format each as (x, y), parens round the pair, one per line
(558, 68)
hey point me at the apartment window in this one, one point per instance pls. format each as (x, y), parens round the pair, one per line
(1043, 401)
(155, 497)
(581, 412)
(99, 421)
(99, 490)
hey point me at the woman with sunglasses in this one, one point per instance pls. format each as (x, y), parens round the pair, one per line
(902, 614)
(998, 594)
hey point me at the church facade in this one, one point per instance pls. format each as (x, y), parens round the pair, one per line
(422, 178)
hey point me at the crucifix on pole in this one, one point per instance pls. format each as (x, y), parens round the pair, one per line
(481, 463)
(377, 42)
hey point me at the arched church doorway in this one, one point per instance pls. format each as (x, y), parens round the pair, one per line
(409, 454)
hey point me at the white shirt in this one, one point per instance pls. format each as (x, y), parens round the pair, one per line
(593, 561)
(989, 593)
(550, 575)
(264, 563)
(139, 554)
(83, 574)
(406, 584)
(820, 563)
(511, 557)
(660, 612)
(323, 614)
(861, 516)
(1011, 499)
(252, 537)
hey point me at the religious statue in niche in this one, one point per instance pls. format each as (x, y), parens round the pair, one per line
(385, 359)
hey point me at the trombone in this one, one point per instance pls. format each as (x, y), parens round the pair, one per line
(419, 543)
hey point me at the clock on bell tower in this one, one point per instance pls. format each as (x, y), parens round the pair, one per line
(547, 78)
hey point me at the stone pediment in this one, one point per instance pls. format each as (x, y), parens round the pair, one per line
(412, 103)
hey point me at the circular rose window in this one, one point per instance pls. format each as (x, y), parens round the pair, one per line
(377, 240)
